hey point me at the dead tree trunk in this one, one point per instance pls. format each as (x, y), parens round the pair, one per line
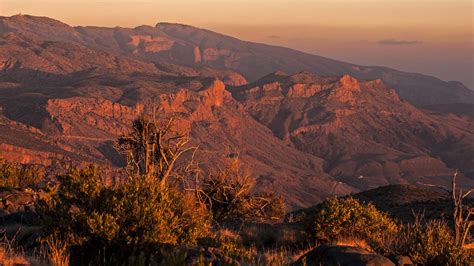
(461, 215)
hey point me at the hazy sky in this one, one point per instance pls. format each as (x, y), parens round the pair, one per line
(427, 36)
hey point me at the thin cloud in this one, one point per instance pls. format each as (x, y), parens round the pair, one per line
(398, 42)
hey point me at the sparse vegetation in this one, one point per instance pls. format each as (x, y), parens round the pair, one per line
(13, 255)
(342, 218)
(116, 221)
(162, 216)
(428, 243)
(14, 175)
(229, 196)
(8, 258)
(57, 250)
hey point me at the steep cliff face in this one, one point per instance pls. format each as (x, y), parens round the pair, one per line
(365, 132)
(91, 117)
(67, 93)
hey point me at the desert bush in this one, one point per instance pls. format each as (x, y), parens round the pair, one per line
(57, 250)
(235, 249)
(132, 221)
(144, 210)
(14, 175)
(140, 212)
(272, 236)
(229, 196)
(338, 218)
(429, 243)
(12, 254)
(275, 257)
(8, 258)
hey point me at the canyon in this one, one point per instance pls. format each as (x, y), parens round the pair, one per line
(306, 126)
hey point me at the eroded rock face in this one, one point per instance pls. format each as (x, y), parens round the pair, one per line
(150, 44)
(368, 136)
(69, 92)
(97, 114)
(88, 125)
(28, 156)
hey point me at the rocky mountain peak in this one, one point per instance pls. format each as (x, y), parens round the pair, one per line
(346, 81)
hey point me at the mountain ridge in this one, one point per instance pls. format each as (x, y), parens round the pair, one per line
(196, 47)
(362, 129)
(67, 94)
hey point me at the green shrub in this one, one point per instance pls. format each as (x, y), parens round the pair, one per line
(338, 218)
(14, 175)
(429, 243)
(138, 213)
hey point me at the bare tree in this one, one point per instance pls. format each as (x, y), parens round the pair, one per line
(461, 215)
(152, 149)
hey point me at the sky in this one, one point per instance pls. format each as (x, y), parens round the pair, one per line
(426, 36)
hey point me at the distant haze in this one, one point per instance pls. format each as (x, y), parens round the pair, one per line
(426, 36)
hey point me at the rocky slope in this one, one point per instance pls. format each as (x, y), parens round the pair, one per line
(367, 135)
(67, 93)
(79, 117)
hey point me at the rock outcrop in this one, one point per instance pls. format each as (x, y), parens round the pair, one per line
(367, 134)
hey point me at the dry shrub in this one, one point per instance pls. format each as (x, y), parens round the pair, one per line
(275, 257)
(428, 243)
(152, 149)
(11, 254)
(57, 251)
(134, 220)
(226, 233)
(229, 242)
(353, 242)
(272, 235)
(229, 196)
(14, 175)
(144, 211)
(9, 258)
(282, 255)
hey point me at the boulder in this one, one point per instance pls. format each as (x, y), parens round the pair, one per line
(342, 255)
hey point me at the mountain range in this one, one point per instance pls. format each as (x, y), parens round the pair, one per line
(307, 126)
